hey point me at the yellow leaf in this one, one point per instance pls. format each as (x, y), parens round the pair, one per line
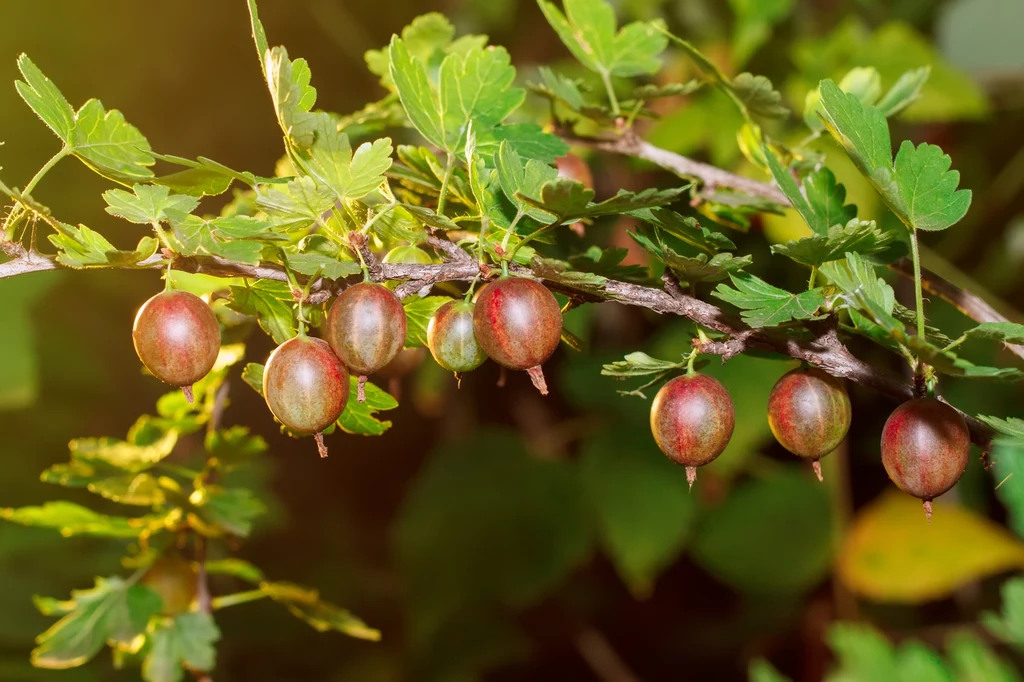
(891, 554)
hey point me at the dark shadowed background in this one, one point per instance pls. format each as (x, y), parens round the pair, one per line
(554, 541)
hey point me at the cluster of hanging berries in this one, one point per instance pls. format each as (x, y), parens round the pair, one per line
(925, 442)
(515, 321)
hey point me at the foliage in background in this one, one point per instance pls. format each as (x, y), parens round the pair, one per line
(621, 496)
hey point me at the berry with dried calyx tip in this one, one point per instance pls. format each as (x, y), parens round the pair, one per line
(306, 386)
(925, 448)
(518, 324)
(809, 413)
(452, 338)
(176, 581)
(177, 337)
(366, 328)
(692, 418)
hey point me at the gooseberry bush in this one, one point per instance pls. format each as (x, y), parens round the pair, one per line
(472, 240)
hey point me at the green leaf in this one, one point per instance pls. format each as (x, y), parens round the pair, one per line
(101, 139)
(904, 92)
(188, 639)
(475, 86)
(292, 95)
(333, 164)
(764, 305)
(692, 269)
(638, 364)
(418, 312)
(127, 456)
(72, 519)
(643, 508)
(570, 201)
(298, 204)
(271, 303)
(1012, 427)
(685, 228)
(305, 603)
(228, 510)
(518, 179)
(758, 96)
(236, 568)
(44, 98)
(313, 262)
(233, 446)
(147, 204)
(429, 38)
(863, 132)
(191, 235)
(252, 374)
(748, 541)
(928, 190)
(1006, 332)
(112, 611)
(563, 273)
(855, 275)
(206, 177)
(920, 188)
(109, 145)
(973, 661)
(864, 655)
(588, 29)
(80, 247)
(823, 206)
(528, 139)
(503, 528)
(360, 417)
(858, 236)
(1008, 625)
(1008, 468)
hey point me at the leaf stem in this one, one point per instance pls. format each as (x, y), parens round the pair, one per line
(238, 598)
(612, 99)
(45, 169)
(918, 293)
(511, 229)
(16, 211)
(526, 240)
(814, 275)
(444, 184)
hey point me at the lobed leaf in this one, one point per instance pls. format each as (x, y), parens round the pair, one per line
(418, 312)
(44, 98)
(858, 236)
(360, 418)
(72, 519)
(113, 611)
(764, 305)
(147, 203)
(929, 198)
(186, 641)
(80, 247)
(305, 603)
(588, 29)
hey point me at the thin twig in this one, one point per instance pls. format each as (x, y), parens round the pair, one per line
(967, 302)
(824, 350)
(629, 144)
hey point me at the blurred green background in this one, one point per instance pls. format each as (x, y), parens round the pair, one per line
(493, 534)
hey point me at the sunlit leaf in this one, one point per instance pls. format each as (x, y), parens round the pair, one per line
(892, 554)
